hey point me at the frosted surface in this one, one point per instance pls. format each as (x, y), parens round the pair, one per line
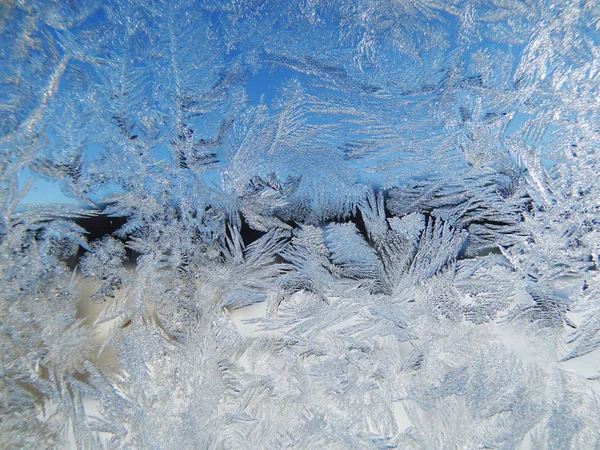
(314, 224)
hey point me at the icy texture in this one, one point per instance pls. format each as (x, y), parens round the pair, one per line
(410, 188)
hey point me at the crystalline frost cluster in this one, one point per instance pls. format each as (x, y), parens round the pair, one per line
(403, 197)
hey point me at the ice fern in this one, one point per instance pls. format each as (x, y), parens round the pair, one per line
(319, 224)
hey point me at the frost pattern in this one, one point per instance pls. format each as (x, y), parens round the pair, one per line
(409, 189)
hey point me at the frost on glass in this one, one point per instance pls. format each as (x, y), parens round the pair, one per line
(299, 224)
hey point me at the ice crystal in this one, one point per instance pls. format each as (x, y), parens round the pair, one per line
(300, 224)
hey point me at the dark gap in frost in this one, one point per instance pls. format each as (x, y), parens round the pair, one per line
(99, 226)
(248, 234)
(359, 222)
